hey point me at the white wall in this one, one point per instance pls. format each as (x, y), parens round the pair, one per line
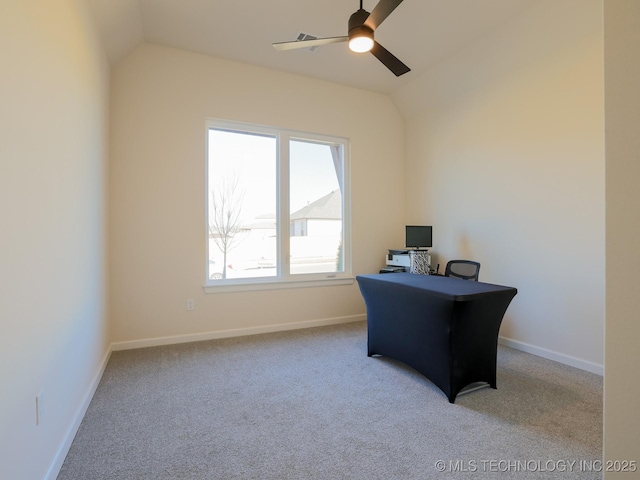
(622, 119)
(53, 334)
(540, 107)
(161, 98)
(505, 158)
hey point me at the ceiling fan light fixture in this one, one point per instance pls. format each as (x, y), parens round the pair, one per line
(360, 35)
(360, 39)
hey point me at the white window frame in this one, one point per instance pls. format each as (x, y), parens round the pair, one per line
(283, 278)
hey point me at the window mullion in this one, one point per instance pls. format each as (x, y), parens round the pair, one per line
(284, 248)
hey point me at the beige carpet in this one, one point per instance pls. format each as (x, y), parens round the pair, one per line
(310, 404)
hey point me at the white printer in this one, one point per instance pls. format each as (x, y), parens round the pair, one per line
(414, 261)
(398, 258)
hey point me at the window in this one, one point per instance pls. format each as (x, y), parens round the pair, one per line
(277, 207)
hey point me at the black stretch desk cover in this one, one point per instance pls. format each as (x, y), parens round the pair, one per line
(445, 328)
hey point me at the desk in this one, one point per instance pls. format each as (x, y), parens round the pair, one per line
(445, 328)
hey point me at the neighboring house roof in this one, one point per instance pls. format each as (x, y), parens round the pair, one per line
(328, 207)
(264, 221)
(266, 225)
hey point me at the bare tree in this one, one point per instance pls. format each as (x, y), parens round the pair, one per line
(224, 217)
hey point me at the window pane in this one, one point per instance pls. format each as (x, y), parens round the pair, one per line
(316, 230)
(242, 205)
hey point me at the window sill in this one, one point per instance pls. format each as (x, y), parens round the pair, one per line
(276, 285)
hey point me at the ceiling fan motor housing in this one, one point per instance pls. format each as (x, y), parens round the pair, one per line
(357, 28)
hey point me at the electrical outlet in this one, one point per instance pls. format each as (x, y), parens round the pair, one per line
(191, 305)
(39, 408)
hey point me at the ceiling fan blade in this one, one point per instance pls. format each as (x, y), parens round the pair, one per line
(308, 43)
(389, 60)
(381, 11)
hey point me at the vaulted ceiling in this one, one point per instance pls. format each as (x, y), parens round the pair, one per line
(419, 32)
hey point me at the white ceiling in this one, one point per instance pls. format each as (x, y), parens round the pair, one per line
(419, 32)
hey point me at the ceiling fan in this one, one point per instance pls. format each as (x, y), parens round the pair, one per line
(362, 25)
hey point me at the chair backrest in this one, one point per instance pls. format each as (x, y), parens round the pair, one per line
(465, 269)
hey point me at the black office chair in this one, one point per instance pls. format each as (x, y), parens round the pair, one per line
(465, 269)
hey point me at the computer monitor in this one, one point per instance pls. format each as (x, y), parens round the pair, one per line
(418, 236)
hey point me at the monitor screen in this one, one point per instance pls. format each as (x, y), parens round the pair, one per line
(418, 236)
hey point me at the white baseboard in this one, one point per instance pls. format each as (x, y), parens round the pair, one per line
(236, 332)
(63, 450)
(551, 355)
